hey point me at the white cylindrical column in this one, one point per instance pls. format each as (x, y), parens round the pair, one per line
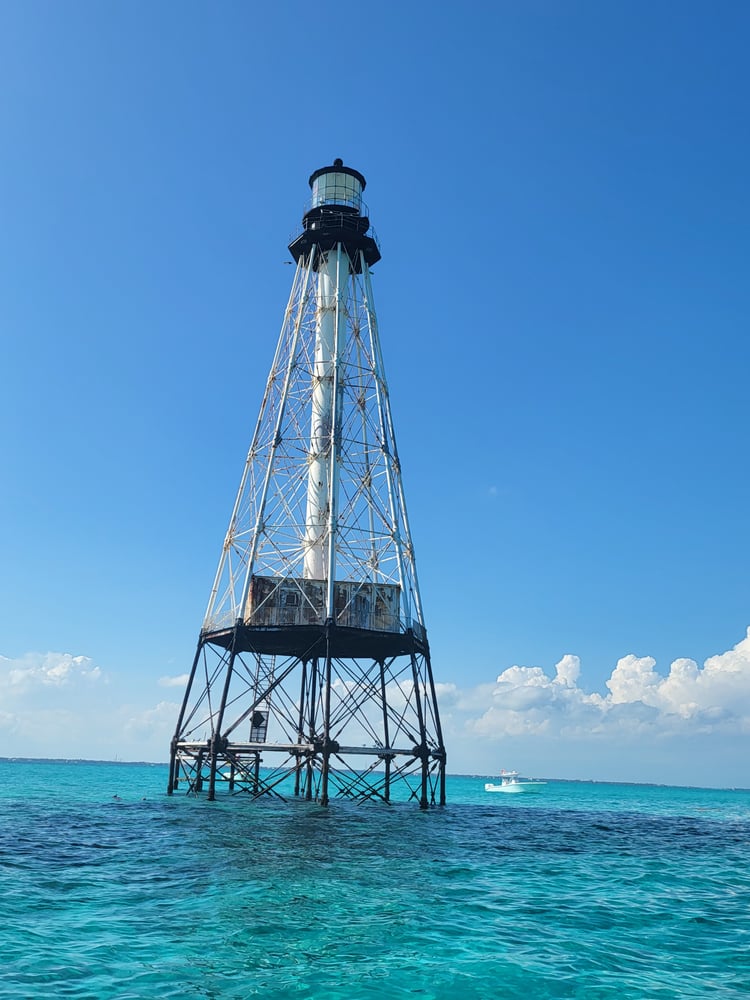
(333, 275)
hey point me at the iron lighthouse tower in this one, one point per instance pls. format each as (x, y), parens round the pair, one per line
(312, 673)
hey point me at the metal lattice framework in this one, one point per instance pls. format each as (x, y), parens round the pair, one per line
(312, 673)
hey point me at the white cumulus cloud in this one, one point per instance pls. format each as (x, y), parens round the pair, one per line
(46, 669)
(644, 713)
(154, 724)
(178, 681)
(568, 670)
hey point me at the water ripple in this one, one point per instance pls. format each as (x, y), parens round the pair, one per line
(134, 899)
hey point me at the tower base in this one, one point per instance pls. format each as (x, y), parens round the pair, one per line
(310, 712)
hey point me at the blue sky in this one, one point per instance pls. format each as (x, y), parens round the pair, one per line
(560, 191)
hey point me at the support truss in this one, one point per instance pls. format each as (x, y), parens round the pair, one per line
(312, 673)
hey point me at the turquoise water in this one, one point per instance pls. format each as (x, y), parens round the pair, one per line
(582, 890)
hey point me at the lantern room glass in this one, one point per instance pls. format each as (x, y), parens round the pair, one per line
(337, 189)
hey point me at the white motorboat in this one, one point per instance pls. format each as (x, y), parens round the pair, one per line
(512, 782)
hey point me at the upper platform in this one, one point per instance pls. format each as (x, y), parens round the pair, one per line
(308, 642)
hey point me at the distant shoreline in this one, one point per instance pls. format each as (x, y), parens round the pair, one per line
(559, 781)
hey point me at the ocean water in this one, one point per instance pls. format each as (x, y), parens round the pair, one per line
(111, 889)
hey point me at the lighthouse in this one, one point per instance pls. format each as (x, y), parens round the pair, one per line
(312, 675)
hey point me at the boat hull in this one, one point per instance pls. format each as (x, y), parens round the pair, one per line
(515, 787)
